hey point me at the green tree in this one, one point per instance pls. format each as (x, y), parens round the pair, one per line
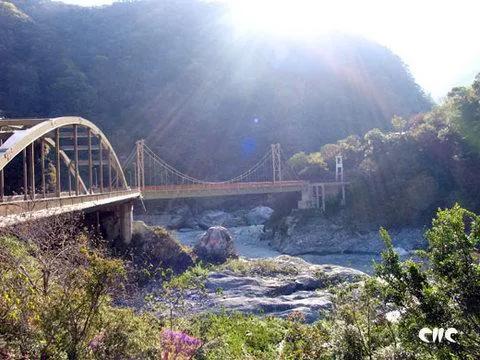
(443, 292)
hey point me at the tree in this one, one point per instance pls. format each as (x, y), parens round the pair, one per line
(443, 292)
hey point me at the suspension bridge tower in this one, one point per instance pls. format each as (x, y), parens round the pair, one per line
(276, 162)
(140, 164)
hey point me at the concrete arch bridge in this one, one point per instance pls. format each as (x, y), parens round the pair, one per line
(58, 165)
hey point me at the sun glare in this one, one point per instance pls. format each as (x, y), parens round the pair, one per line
(428, 35)
(301, 18)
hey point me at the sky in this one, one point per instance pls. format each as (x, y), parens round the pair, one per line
(437, 39)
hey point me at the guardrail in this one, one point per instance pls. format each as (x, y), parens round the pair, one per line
(17, 207)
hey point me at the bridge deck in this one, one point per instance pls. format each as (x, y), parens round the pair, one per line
(220, 189)
(18, 210)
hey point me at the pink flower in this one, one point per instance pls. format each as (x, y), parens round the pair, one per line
(178, 345)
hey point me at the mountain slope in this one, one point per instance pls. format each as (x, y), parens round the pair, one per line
(176, 73)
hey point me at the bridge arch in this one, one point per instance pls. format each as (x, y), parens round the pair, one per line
(19, 134)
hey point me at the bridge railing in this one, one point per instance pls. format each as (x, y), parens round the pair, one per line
(65, 194)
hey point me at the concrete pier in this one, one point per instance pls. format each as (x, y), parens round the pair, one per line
(125, 212)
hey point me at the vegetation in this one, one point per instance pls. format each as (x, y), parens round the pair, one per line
(397, 178)
(262, 267)
(56, 302)
(446, 293)
(169, 71)
(176, 73)
(55, 297)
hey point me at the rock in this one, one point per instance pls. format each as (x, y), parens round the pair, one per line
(248, 240)
(139, 228)
(192, 223)
(175, 222)
(211, 218)
(215, 246)
(152, 219)
(248, 235)
(154, 246)
(179, 217)
(259, 215)
(318, 235)
(287, 285)
(409, 238)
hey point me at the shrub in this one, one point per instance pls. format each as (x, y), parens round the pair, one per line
(172, 299)
(55, 297)
(442, 293)
(238, 336)
(125, 335)
(177, 345)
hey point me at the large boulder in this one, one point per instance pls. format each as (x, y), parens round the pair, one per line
(248, 240)
(215, 246)
(259, 215)
(154, 247)
(153, 219)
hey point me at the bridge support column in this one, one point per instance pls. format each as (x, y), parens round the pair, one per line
(100, 158)
(125, 213)
(140, 163)
(31, 170)
(276, 162)
(313, 196)
(307, 198)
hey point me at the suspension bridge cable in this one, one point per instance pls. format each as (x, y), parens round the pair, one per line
(198, 181)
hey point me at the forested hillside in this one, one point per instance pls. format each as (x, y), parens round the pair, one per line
(177, 73)
(402, 176)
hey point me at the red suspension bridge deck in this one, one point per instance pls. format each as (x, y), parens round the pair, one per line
(220, 189)
(271, 174)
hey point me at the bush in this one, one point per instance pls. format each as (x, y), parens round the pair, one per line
(126, 335)
(237, 336)
(442, 293)
(55, 297)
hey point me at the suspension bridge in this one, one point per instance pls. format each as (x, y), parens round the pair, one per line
(52, 166)
(157, 179)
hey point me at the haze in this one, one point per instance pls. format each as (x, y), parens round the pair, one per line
(436, 39)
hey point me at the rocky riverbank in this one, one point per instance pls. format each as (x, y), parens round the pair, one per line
(278, 286)
(321, 253)
(311, 236)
